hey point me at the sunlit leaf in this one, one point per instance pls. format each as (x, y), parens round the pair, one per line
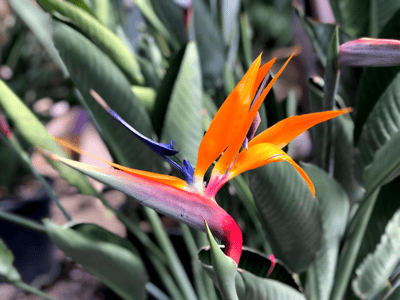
(8, 273)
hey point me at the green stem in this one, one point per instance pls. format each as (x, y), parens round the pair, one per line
(135, 230)
(25, 222)
(196, 267)
(351, 248)
(166, 278)
(174, 263)
(31, 290)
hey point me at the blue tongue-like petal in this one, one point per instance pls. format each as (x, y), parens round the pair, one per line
(164, 150)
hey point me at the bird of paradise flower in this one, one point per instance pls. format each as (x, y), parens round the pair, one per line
(229, 141)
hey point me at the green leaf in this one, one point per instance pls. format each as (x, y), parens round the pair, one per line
(385, 166)
(172, 16)
(100, 35)
(224, 268)
(381, 126)
(81, 4)
(8, 273)
(183, 120)
(148, 12)
(344, 153)
(375, 81)
(36, 134)
(164, 93)
(375, 270)
(90, 68)
(334, 204)
(395, 294)
(381, 12)
(384, 209)
(344, 158)
(353, 15)
(319, 33)
(254, 280)
(331, 79)
(290, 216)
(230, 14)
(103, 255)
(210, 44)
(39, 23)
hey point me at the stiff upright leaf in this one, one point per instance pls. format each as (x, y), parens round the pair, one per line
(210, 44)
(90, 68)
(375, 270)
(382, 124)
(103, 255)
(36, 134)
(8, 273)
(290, 216)
(334, 205)
(39, 23)
(183, 120)
(100, 35)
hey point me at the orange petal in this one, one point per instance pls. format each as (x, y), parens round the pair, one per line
(165, 179)
(260, 155)
(286, 130)
(230, 154)
(227, 121)
(262, 72)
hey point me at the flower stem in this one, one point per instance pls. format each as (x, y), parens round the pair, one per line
(25, 222)
(174, 263)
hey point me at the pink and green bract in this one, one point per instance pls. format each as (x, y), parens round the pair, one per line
(228, 143)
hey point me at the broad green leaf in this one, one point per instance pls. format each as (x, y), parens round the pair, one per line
(353, 15)
(290, 216)
(385, 166)
(39, 23)
(210, 44)
(224, 267)
(381, 12)
(90, 68)
(100, 35)
(255, 279)
(8, 273)
(384, 209)
(103, 255)
(375, 270)
(334, 204)
(172, 16)
(183, 120)
(382, 124)
(375, 80)
(36, 134)
(164, 92)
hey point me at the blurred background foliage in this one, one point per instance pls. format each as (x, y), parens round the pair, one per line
(165, 67)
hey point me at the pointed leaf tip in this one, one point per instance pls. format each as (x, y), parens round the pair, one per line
(224, 268)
